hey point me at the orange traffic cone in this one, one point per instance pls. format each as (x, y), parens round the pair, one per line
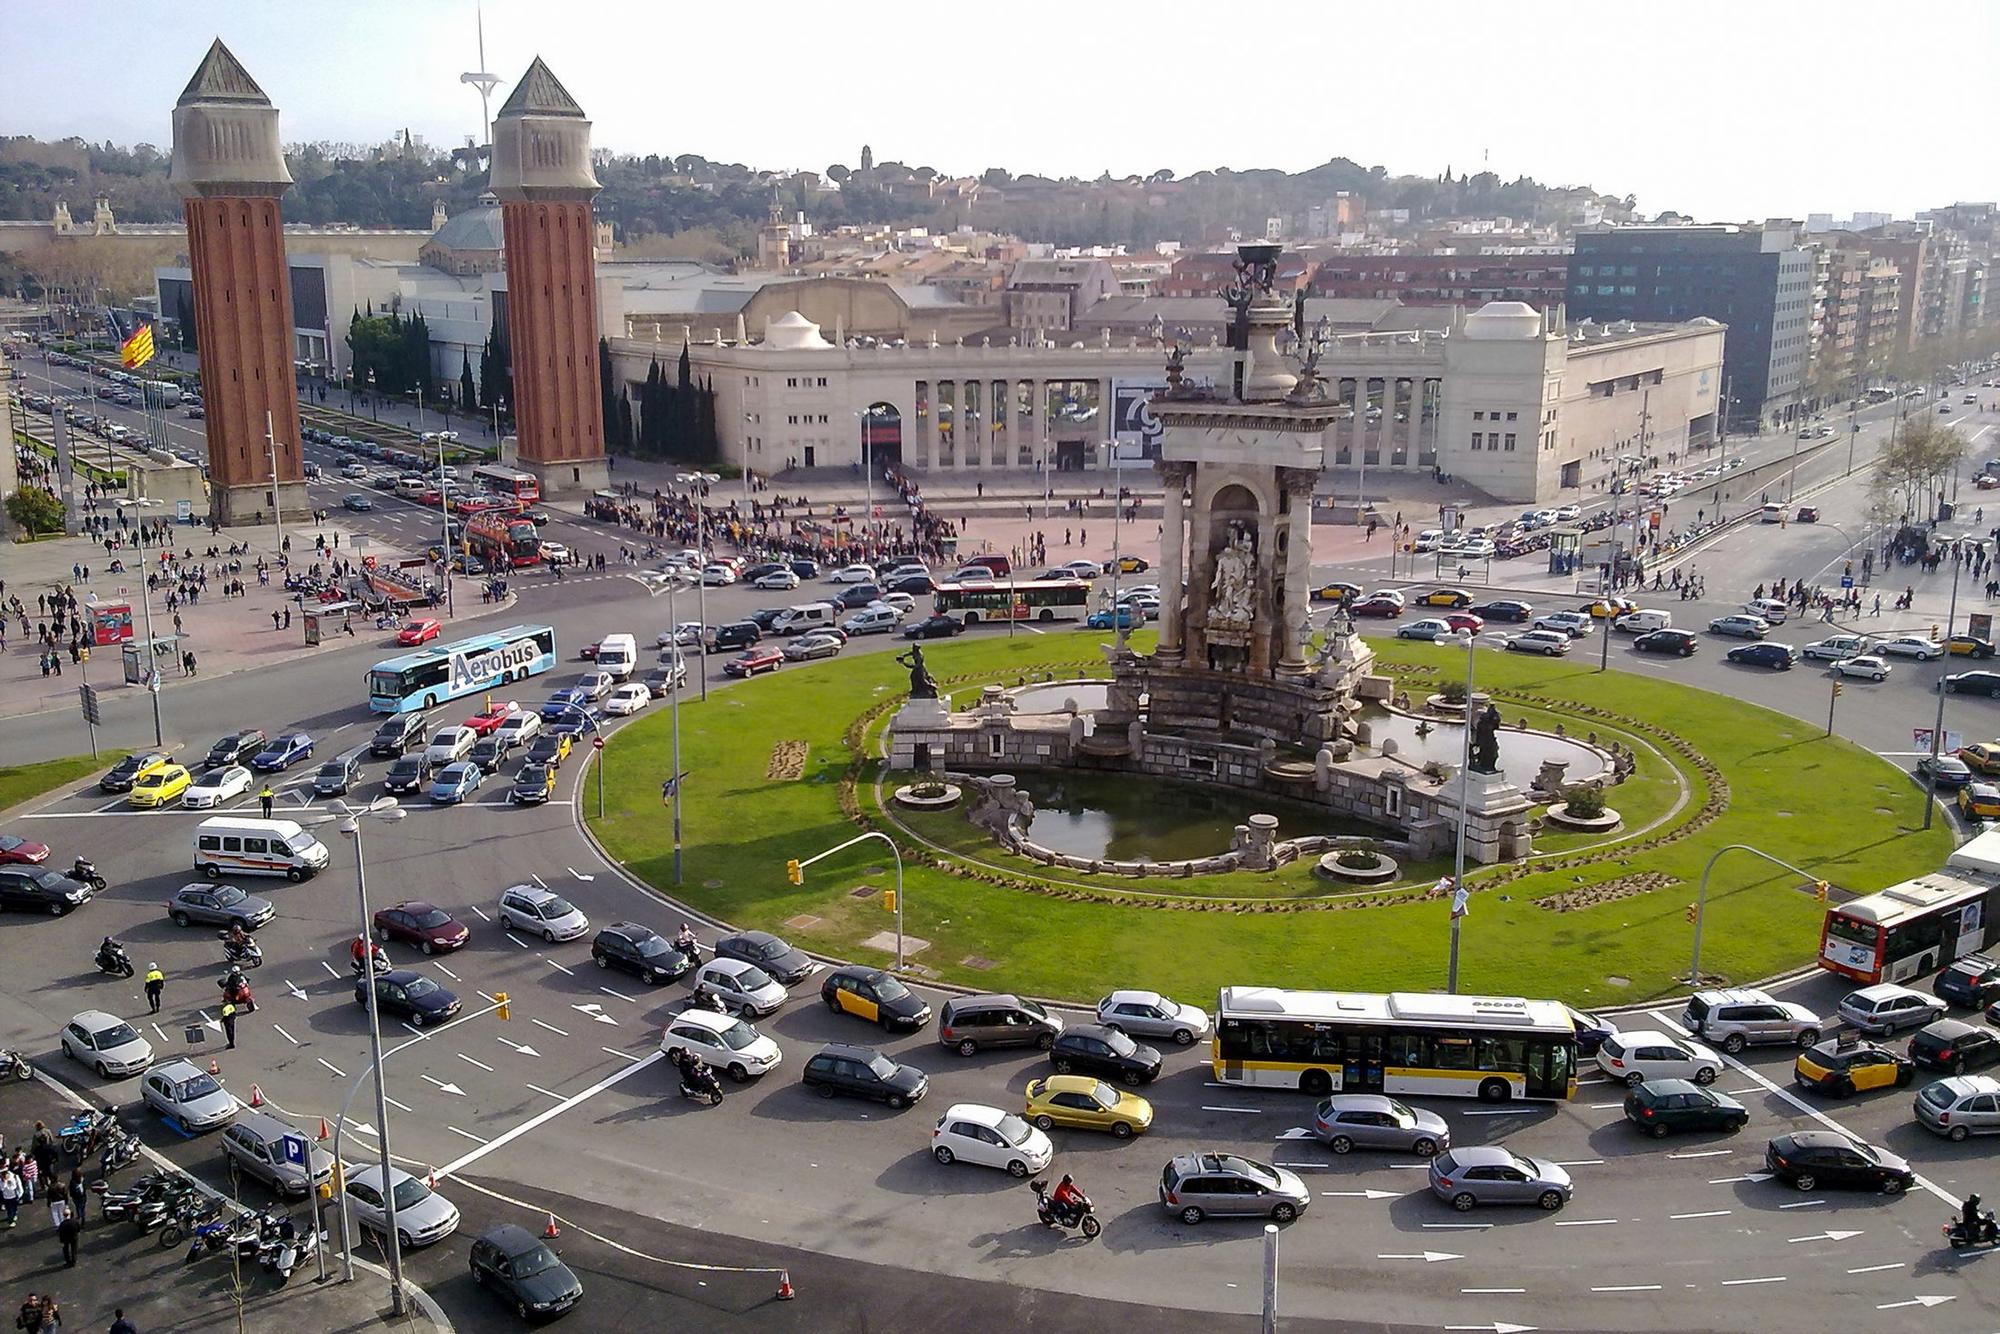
(785, 1290)
(213, 1068)
(325, 1130)
(552, 1231)
(256, 1096)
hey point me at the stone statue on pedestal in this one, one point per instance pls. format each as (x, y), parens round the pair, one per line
(922, 685)
(1233, 590)
(1486, 741)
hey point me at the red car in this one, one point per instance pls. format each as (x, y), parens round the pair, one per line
(418, 632)
(755, 661)
(489, 722)
(1463, 620)
(425, 925)
(14, 849)
(588, 652)
(1375, 607)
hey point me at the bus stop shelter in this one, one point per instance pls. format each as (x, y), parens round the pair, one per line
(142, 657)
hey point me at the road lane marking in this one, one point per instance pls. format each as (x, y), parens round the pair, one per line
(399, 1106)
(298, 992)
(467, 1133)
(622, 1055)
(443, 1086)
(361, 1128)
(551, 1027)
(1250, 1111)
(162, 1032)
(1490, 1292)
(338, 1072)
(482, 913)
(547, 1093)
(1924, 1301)
(620, 995)
(1503, 1111)
(1876, 1269)
(538, 880)
(1801, 1204)
(1706, 1213)
(447, 972)
(1458, 1227)
(1587, 1222)
(1581, 1162)
(517, 940)
(1428, 1257)
(1730, 1181)
(1704, 1153)
(481, 1064)
(1365, 1194)
(1746, 1282)
(329, 968)
(1600, 1106)
(558, 967)
(1832, 1234)
(419, 1033)
(283, 1034)
(1630, 1287)
(542, 1118)
(521, 1048)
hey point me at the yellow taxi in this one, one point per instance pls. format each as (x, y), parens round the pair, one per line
(1086, 1103)
(1979, 801)
(1606, 608)
(1336, 591)
(1982, 758)
(1445, 597)
(1971, 646)
(1843, 1066)
(1132, 565)
(160, 786)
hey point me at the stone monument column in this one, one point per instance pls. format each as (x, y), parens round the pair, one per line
(1173, 555)
(1296, 614)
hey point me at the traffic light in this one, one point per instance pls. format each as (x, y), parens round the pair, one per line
(1819, 890)
(794, 873)
(500, 1001)
(889, 900)
(1691, 912)
(1836, 689)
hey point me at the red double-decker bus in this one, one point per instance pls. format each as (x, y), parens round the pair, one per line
(503, 540)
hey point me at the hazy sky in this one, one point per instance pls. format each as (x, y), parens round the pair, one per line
(1720, 108)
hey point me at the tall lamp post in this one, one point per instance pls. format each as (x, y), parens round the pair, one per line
(670, 791)
(1937, 729)
(698, 484)
(1459, 894)
(796, 872)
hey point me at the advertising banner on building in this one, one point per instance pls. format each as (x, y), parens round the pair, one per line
(1135, 431)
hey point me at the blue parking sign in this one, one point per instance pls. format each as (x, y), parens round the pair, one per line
(1847, 581)
(295, 1149)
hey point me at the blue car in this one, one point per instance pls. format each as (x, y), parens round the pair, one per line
(576, 721)
(455, 782)
(1129, 618)
(556, 705)
(285, 750)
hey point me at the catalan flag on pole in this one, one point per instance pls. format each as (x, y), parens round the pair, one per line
(137, 350)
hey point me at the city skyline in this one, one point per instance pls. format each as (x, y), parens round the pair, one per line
(1487, 94)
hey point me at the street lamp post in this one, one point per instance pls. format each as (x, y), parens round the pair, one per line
(697, 484)
(1937, 728)
(1458, 890)
(674, 675)
(797, 871)
(1701, 897)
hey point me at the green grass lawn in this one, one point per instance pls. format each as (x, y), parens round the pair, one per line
(20, 782)
(1823, 804)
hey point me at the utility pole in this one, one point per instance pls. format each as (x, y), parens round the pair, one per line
(1937, 729)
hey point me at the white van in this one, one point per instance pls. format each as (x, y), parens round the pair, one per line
(1644, 622)
(806, 616)
(410, 486)
(618, 655)
(226, 843)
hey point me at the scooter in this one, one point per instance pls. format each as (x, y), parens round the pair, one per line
(290, 1247)
(121, 1150)
(112, 959)
(236, 990)
(246, 954)
(75, 1135)
(1083, 1217)
(382, 964)
(704, 1088)
(15, 1064)
(194, 1213)
(86, 872)
(1985, 1233)
(206, 1239)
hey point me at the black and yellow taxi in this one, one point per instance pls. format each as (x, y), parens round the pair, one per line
(874, 995)
(1336, 590)
(1444, 597)
(1982, 757)
(1979, 801)
(1608, 608)
(1132, 565)
(1845, 1066)
(1969, 646)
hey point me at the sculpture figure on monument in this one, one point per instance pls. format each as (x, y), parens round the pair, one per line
(1233, 589)
(922, 685)
(1486, 742)
(1177, 370)
(1311, 387)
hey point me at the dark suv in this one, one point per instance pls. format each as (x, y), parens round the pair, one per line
(732, 634)
(236, 748)
(638, 950)
(863, 1072)
(397, 734)
(969, 1023)
(1972, 982)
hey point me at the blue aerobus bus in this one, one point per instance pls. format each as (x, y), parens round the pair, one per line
(428, 676)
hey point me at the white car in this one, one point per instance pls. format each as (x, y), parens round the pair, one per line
(1867, 667)
(874, 619)
(106, 1043)
(1741, 625)
(520, 728)
(685, 635)
(1837, 647)
(973, 574)
(216, 786)
(1079, 569)
(743, 987)
(1554, 643)
(776, 581)
(1642, 1054)
(722, 1040)
(422, 1215)
(449, 745)
(854, 574)
(1568, 513)
(902, 602)
(1575, 624)
(989, 1137)
(1148, 1014)
(1887, 1006)
(535, 911)
(354, 472)
(1767, 609)
(1912, 646)
(1429, 628)
(1474, 548)
(716, 576)
(627, 699)
(554, 553)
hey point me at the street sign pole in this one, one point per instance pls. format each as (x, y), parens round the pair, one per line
(597, 744)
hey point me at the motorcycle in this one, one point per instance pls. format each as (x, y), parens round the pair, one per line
(112, 959)
(290, 1247)
(1985, 1233)
(15, 1064)
(704, 1088)
(86, 872)
(1081, 1216)
(246, 953)
(78, 1134)
(382, 964)
(192, 1214)
(120, 1152)
(236, 990)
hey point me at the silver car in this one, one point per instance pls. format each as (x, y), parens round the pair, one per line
(222, 905)
(1886, 1007)
(1197, 1185)
(422, 1215)
(1738, 1017)
(1148, 1014)
(743, 987)
(1374, 1121)
(1959, 1106)
(1489, 1174)
(187, 1095)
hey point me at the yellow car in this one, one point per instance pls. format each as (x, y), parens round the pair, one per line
(1606, 608)
(1337, 591)
(1445, 597)
(160, 786)
(1980, 801)
(1973, 646)
(1983, 758)
(1087, 1103)
(1844, 1066)
(1131, 565)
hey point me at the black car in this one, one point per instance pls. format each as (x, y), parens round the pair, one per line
(855, 596)
(804, 569)
(236, 748)
(1971, 683)
(874, 995)
(513, 1263)
(120, 776)
(729, 635)
(410, 996)
(1092, 1049)
(38, 889)
(1662, 1106)
(756, 572)
(1954, 1046)
(783, 961)
(1681, 643)
(640, 951)
(487, 753)
(916, 585)
(863, 1072)
(1764, 654)
(1809, 1159)
(1972, 982)
(547, 750)
(934, 627)
(397, 734)
(764, 617)
(1506, 609)
(1591, 1030)
(531, 785)
(405, 775)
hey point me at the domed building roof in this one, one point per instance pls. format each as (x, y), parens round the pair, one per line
(477, 228)
(1504, 320)
(793, 332)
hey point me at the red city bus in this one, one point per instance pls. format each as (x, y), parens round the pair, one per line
(503, 540)
(1917, 927)
(519, 487)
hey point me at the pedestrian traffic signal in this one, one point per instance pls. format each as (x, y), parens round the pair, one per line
(500, 1004)
(1691, 912)
(794, 873)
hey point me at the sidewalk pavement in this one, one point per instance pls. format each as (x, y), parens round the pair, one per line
(120, 1266)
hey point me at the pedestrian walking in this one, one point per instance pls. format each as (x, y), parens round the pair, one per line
(78, 1196)
(10, 1193)
(265, 798)
(229, 1022)
(120, 1325)
(58, 1205)
(67, 1232)
(156, 982)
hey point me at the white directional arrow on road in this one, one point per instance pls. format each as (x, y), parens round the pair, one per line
(1831, 1235)
(596, 1011)
(444, 1087)
(1364, 1194)
(1296, 1132)
(293, 987)
(1428, 1257)
(1753, 1177)
(580, 875)
(522, 1048)
(1497, 1327)
(1916, 1301)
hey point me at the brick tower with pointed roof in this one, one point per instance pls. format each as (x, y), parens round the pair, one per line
(543, 179)
(230, 172)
